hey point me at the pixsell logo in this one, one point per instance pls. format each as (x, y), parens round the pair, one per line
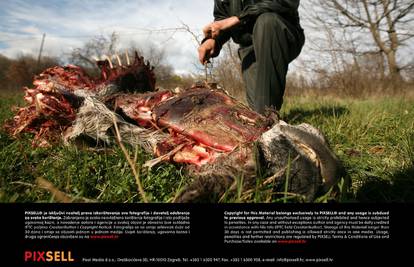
(48, 256)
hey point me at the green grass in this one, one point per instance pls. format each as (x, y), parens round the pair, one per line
(374, 138)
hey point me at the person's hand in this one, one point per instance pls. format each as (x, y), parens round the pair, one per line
(214, 29)
(206, 50)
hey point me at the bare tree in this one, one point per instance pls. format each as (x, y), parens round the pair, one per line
(97, 46)
(209, 67)
(227, 71)
(110, 45)
(20, 71)
(389, 23)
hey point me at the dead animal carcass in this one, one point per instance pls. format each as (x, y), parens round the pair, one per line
(223, 144)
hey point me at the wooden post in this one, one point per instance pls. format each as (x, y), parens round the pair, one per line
(41, 49)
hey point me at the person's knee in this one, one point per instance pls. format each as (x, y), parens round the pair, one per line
(267, 20)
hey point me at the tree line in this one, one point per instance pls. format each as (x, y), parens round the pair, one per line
(19, 72)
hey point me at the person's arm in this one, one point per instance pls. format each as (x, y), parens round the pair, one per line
(251, 12)
(221, 14)
(215, 33)
(218, 30)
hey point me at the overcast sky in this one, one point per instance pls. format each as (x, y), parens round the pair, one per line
(70, 23)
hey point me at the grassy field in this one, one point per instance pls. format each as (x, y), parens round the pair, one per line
(374, 138)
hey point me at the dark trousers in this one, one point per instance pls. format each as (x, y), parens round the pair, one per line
(265, 62)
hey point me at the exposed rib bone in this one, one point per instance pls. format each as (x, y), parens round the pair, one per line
(105, 57)
(119, 60)
(37, 102)
(151, 163)
(127, 58)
